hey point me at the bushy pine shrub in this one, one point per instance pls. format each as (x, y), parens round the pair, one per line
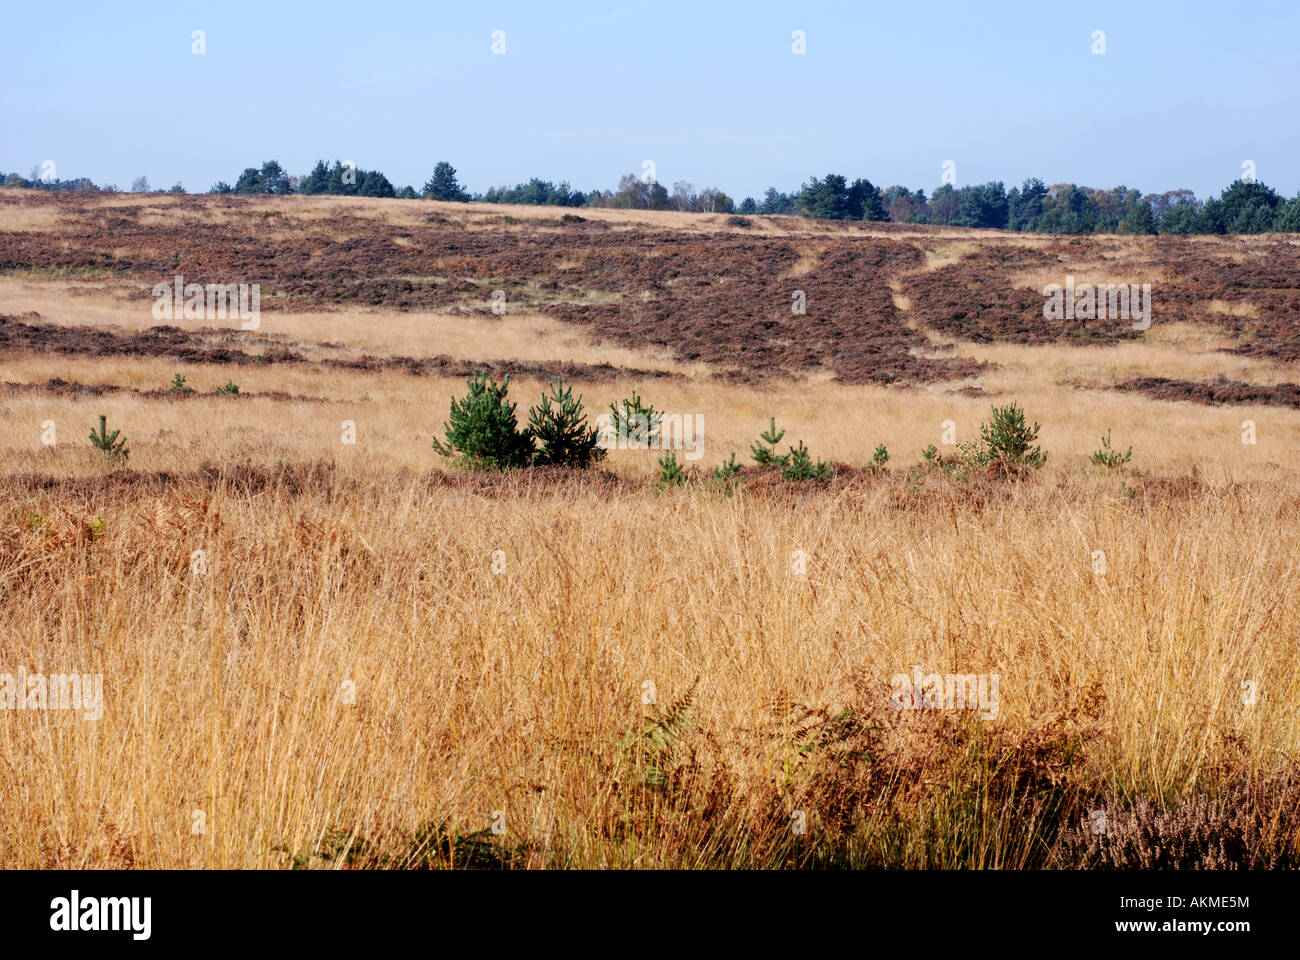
(801, 466)
(1009, 440)
(482, 431)
(796, 465)
(671, 473)
(1006, 445)
(633, 420)
(559, 428)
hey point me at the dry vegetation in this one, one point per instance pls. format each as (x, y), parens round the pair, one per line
(354, 675)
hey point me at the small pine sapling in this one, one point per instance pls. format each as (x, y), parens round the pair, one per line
(726, 476)
(111, 446)
(1108, 458)
(727, 470)
(670, 471)
(559, 427)
(635, 424)
(764, 452)
(802, 467)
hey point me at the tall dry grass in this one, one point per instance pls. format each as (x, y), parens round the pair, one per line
(520, 696)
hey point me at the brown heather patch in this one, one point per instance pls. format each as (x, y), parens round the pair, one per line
(219, 347)
(1217, 391)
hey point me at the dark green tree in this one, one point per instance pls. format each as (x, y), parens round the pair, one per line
(482, 431)
(943, 204)
(250, 181)
(443, 185)
(864, 202)
(271, 178)
(657, 197)
(1183, 217)
(1025, 205)
(1246, 206)
(1288, 216)
(826, 199)
(776, 202)
(1140, 220)
(558, 425)
(274, 179)
(372, 183)
(317, 181)
(982, 205)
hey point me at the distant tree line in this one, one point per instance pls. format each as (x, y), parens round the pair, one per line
(535, 191)
(34, 181)
(1244, 206)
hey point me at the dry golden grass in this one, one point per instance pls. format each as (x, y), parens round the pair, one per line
(347, 667)
(226, 692)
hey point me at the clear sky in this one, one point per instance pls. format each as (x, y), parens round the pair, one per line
(710, 92)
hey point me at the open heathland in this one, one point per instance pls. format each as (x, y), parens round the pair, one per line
(323, 645)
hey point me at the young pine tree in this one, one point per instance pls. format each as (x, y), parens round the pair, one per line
(559, 427)
(111, 445)
(1009, 440)
(764, 451)
(482, 431)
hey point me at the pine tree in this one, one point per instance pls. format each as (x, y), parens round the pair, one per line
(801, 466)
(865, 202)
(1008, 440)
(442, 185)
(317, 181)
(110, 445)
(635, 422)
(559, 427)
(764, 452)
(482, 431)
(670, 471)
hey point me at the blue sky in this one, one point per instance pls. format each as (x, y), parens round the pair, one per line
(710, 92)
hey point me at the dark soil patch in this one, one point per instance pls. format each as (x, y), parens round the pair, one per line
(211, 346)
(58, 387)
(1217, 391)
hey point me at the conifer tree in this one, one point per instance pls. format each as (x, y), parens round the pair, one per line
(482, 430)
(559, 427)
